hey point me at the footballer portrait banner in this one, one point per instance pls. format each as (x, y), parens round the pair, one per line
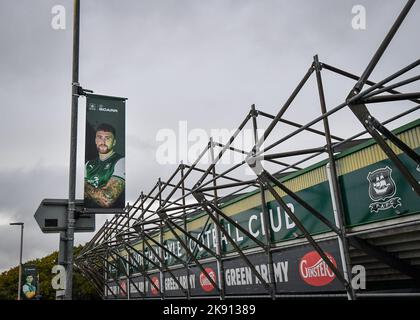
(104, 184)
(29, 283)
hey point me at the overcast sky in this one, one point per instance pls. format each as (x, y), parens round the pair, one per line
(202, 61)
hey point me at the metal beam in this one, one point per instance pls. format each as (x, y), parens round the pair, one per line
(386, 257)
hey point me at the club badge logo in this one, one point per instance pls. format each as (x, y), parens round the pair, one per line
(382, 189)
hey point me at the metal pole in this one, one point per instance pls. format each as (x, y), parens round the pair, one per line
(186, 229)
(160, 252)
(20, 256)
(73, 151)
(20, 261)
(354, 77)
(378, 54)
(391, 97)
(344, 251)
(142, 243)
(219, 247)
(266, 221)
(334, 186)
(106, 269)
(266, 179)
(61, 260)
(128, 276)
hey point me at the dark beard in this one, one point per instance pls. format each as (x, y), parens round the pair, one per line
(103, 152)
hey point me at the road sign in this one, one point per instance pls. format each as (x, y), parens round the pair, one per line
(52, 213)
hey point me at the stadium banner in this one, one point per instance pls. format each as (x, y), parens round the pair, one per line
(372, 192)
(297, 269)
(29, 282)
(104, 183)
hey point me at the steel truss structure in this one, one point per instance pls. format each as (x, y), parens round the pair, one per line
(192, 188)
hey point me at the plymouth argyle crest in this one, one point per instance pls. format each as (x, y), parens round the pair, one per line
(382, 188)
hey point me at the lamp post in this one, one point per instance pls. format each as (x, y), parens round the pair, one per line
(73, 154)
(20, 255)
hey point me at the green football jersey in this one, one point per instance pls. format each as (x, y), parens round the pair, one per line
(28, 288)
(99, 172)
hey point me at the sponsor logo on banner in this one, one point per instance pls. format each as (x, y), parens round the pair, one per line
(314, 271)
(92, 107)
(155, 291)
(123, 285)
(205, 282)
(382, 189)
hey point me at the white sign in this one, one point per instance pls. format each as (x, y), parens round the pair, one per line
(58, 282)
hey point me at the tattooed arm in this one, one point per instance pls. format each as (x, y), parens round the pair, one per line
(30, 294)
(106, 195)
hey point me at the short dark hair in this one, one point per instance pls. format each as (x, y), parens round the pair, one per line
(106, 127)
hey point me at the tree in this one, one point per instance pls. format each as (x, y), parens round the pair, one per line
(82, 287)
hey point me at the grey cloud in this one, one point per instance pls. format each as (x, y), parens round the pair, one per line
(201, 61)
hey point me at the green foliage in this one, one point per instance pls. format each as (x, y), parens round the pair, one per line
(82, 287)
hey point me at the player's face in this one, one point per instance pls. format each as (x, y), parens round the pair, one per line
(105, 141)
(29, 279)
